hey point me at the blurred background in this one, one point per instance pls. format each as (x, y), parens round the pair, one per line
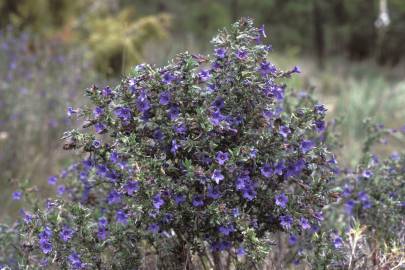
(350, 53)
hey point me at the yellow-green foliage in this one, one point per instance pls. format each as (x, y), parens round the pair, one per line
(40, 16)
(116, 41)
(112, 32)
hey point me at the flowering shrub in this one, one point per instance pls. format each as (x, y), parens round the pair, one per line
(373, 193)
(201, 156)
(364, 227)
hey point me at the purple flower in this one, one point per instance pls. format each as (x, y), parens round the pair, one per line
(167, 218)
(281, 200)
(113, 197)
(284, 131)
(240, 252)
(218, 103)
(27, 217)
(274, 91)
(102, 233)
(154, 228)
(168, 78)
(174, 112)
(242, 181)
(395, 156)
(349, 205)
(224, 245)
(96, 144)
(106, 92)
(131, 187)
(367, 174)
(235, 212)
(142, 104)
(306, 146)
(74, 261)
(164, 98)
(204, 75)
(320, 125)
(179, 199)
(217, 176)
(266, 170)
(253, 153)
(362, 195)
(97, 112)
(295, 168)
(52, 180)
(211, 87)
(296, 261)
(249, 192)
(17, 195)
(226, 230)
(267, 68)
(123, 113)
(114, 157)
(180, 128)
(241, 54)
(320, 109)
(158, 135)
(216, 118)
(46, 234)
(87, 164)
(286, 221)
(66, 234)
(347, 190)
(198, 200)
(222, 157)
(319, 215)
(364, 198)
(304, 223)
(280, 166)
(157, 201)
(262, 32)
(292, 240)
(45, 246)
(71, 111)
(60, 190)
(268, 114)
(337, 242)
(220, 53)
(213, 192)
(100, 127)
(102, 222)
(175, 147)
(121, 217)
(296, 69)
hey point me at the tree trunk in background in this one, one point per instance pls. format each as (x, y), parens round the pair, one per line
(161, 6)
(235, 9)
(319, 36)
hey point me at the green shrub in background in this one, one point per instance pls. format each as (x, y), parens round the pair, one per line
(113, 33)
(116, 41)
